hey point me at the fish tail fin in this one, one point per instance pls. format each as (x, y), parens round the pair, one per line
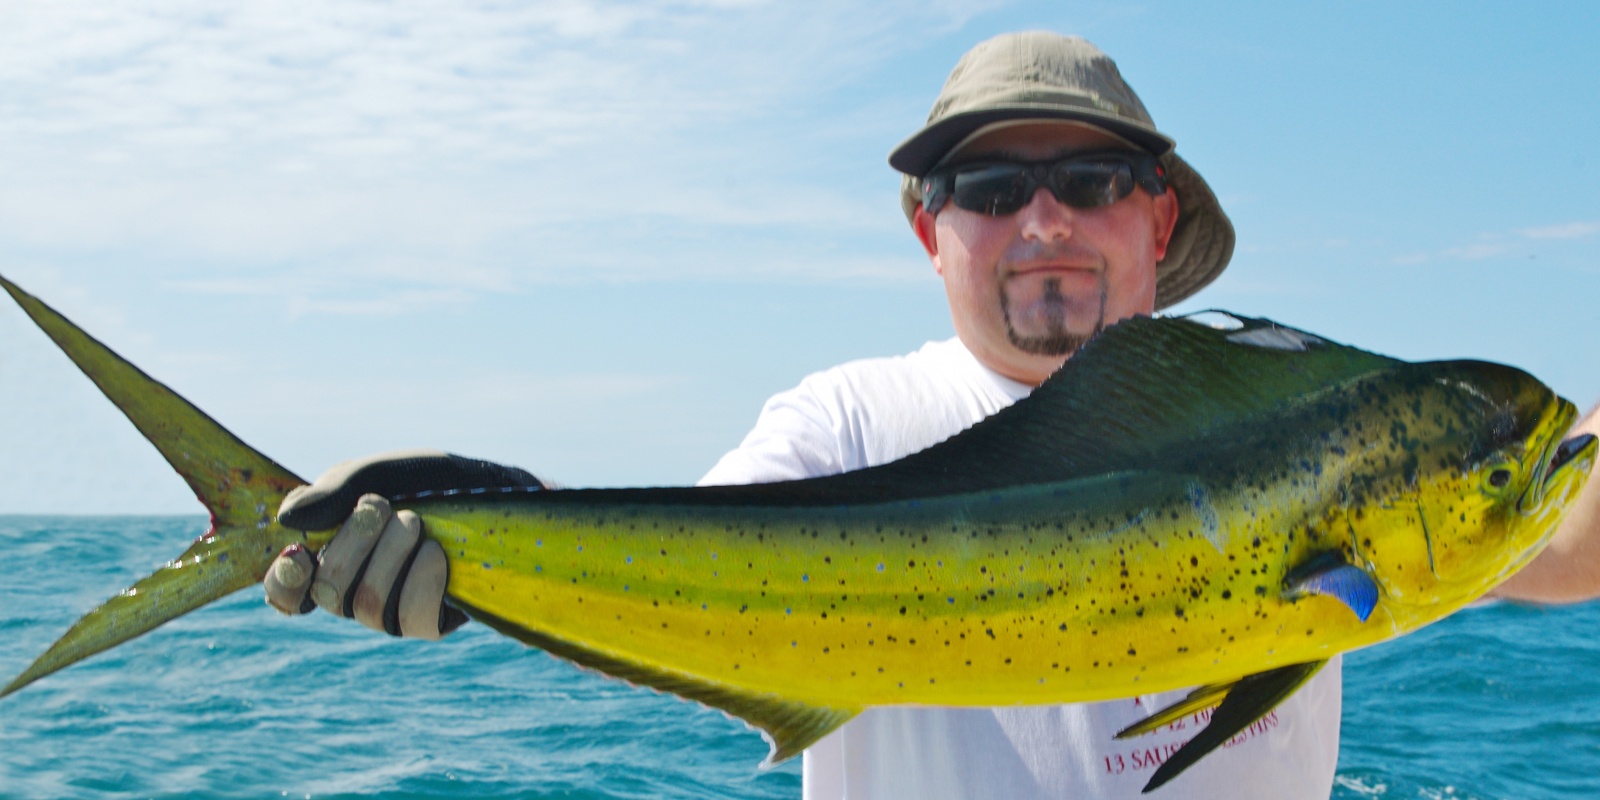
(240, 488)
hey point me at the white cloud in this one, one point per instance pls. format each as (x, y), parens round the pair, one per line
(1497, 245)
(1571, 230)
(1475, 251)
(379, 303)
(328, 143)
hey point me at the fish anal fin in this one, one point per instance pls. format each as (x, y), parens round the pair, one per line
(794, 727)
(1328, 575)
(1196, 701)
(789, 726)
(1247, 700)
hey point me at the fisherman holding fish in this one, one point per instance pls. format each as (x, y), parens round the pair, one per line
(1051, 207)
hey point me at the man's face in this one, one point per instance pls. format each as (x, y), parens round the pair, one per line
(1026, 289)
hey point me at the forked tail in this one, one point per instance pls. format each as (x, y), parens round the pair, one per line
(240, 487)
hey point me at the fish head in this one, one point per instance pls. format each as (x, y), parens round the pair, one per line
(1480, 475)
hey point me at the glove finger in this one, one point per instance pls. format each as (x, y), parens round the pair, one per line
(288, 581)
(422, 612)
(345, 557)
(384, 569)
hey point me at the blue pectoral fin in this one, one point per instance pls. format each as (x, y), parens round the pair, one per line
(1332, 577)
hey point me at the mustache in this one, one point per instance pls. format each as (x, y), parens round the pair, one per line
(1032, 251)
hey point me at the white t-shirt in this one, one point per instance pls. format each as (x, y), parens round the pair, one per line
(874, 411)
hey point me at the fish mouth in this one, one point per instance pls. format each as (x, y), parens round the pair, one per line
(1568, 452)
(1558, 417)
(1576, 452)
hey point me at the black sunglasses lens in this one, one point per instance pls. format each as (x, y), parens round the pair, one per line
(997, 190)
(1001, 189)
(1091, 184)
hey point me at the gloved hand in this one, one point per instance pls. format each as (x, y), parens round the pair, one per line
(378, 568)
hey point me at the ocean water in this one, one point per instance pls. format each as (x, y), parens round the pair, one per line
(236, 701)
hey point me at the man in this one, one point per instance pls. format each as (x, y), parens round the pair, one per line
(1051, 207)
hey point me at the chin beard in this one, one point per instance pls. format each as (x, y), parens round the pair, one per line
(1056, 339)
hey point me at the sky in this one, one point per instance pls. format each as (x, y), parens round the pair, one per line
(590, 238)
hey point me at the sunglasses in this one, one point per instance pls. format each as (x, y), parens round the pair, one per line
(998, 188)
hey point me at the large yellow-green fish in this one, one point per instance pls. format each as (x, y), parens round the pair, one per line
(1183, 504)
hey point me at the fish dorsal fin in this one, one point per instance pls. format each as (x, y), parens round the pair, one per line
(1246, 701)
(1328, 575)
(788, 726)
(1143, 386)
(1135, 394)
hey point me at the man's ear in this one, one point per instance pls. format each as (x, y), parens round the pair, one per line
(1165, 220)
(924, 225)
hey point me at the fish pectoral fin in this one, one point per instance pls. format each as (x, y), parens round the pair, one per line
(1247, 700)
(1198, 700)
(1330, 576)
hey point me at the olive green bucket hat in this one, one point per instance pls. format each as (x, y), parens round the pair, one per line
(1042, 75)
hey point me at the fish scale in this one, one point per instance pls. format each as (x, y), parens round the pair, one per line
(1180, 504)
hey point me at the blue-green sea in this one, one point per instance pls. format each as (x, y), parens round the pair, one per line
(236, 701)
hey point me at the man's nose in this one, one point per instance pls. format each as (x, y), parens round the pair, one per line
(1045, 218)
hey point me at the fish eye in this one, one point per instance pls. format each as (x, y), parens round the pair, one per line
(1499, 478)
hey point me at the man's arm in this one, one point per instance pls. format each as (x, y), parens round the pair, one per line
(1568, 571)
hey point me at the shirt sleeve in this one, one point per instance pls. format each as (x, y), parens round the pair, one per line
(797, 436)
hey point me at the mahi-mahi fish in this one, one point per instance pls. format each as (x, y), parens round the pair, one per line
(1219, 501)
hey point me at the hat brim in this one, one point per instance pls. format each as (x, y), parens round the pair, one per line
(922, 152)
(1202, 240)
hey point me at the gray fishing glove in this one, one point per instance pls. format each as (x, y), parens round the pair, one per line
(378, 568)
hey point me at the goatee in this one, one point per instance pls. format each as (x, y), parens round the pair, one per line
(1056, 339)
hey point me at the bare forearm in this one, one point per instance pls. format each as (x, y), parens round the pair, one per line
(1568, 571)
